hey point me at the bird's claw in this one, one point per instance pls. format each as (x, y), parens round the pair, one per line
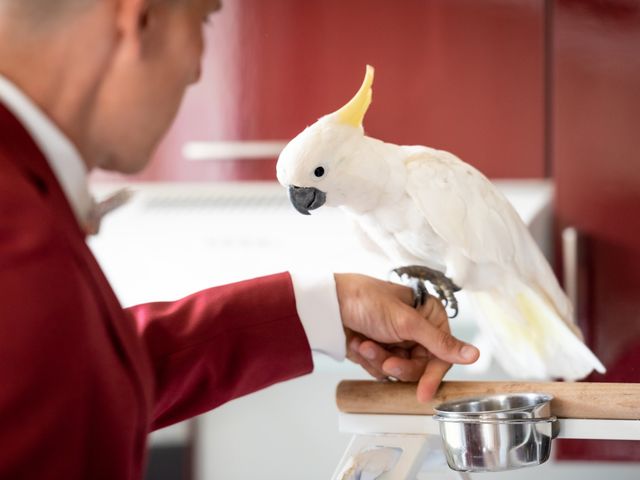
(420, 293)
(416, 276)
(442, 295)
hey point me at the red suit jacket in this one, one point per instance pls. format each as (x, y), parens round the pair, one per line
(83, 381)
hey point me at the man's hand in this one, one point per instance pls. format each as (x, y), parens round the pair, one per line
(388, 337)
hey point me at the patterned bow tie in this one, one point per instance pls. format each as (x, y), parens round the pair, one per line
(102, 208)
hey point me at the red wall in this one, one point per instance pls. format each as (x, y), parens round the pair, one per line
(462, 75)
(596, 153)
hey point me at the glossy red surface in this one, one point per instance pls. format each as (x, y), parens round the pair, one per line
(461, 75)
(596, 151)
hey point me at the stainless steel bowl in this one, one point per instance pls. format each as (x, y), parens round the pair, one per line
(498, 432)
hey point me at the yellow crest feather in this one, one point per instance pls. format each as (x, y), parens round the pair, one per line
(354, 111)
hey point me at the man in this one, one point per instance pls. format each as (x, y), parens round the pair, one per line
(95, 83)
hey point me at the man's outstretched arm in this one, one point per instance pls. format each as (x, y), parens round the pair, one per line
(228, 341)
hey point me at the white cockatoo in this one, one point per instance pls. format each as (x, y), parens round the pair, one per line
(441, 220)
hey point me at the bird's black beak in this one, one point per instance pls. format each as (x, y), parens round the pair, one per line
(304, 199)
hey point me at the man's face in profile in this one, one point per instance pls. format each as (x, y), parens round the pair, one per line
(150, 72)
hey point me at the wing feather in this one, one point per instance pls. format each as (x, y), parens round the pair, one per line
(463, 206)
(470, 213)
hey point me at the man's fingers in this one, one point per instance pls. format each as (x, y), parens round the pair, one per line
(431, 378)
(373, 352)
(438, 341)
(396, 362)
(401, 352)
(373, 365)
(407, 365)
(375, 373)
(405, 369)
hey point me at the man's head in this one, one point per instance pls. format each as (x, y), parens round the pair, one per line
(110, 73)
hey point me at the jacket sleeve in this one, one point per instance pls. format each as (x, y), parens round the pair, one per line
(220, 344)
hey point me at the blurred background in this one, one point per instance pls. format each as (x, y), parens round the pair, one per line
(543, 96)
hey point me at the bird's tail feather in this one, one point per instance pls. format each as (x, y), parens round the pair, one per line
(529, 337)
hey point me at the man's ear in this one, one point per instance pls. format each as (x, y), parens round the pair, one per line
(132, 18)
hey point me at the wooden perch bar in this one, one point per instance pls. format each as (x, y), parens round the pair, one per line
(619, 401)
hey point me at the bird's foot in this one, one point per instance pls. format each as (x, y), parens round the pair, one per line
(416, 276)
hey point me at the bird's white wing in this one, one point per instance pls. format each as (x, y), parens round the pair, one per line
(463, 206)
(469, 213)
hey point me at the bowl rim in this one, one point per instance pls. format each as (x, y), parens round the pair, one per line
(441, 409)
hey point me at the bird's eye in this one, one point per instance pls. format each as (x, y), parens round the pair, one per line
(319, 172)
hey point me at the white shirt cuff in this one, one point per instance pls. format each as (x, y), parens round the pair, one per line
(319, 312)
